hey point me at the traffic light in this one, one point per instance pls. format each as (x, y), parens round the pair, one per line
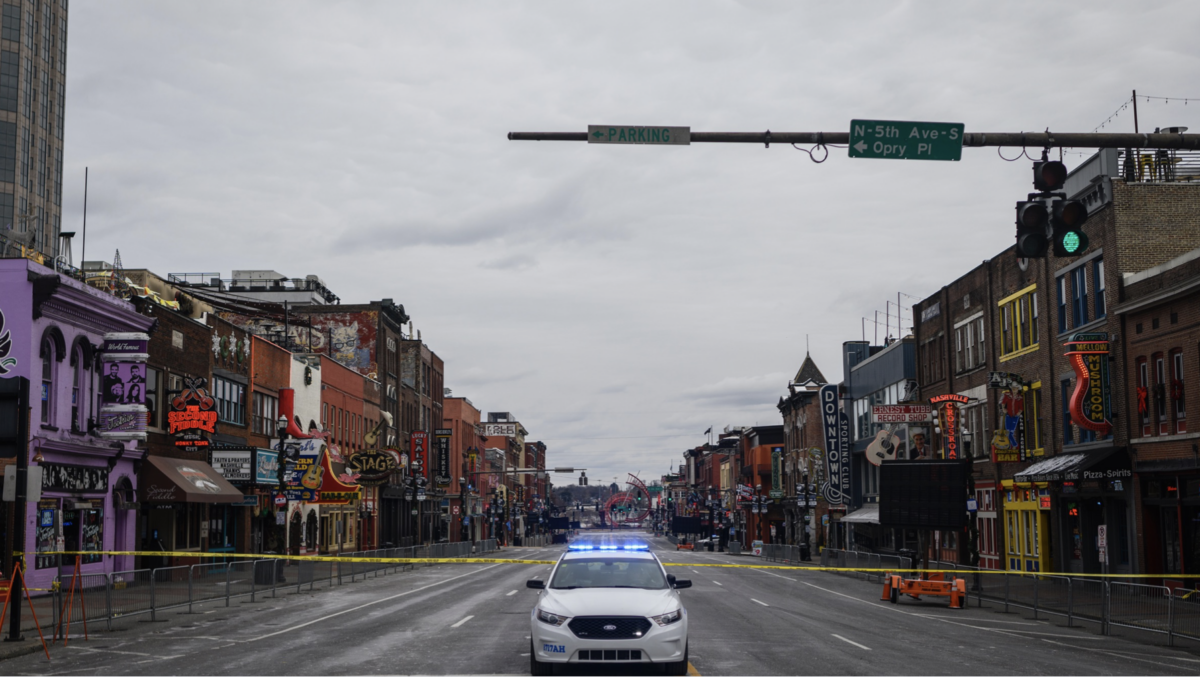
(1049, 175)
(1067, 217)
(1032, 221)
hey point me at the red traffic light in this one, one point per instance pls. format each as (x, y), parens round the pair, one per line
(1032, 215)
(1049, 175)
(1069, 213)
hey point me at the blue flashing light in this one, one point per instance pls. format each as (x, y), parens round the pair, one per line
(584, 547)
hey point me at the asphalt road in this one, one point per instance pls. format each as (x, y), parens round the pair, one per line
(473, 619)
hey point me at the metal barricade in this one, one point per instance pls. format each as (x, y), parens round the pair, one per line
(1144, 607)
(1185, 614)
(80, 598)
(129, 593)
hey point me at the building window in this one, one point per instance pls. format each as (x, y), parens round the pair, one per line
(266, 411)
(982, 337)
(1018, 318)
(958, 349)
(1062, 304)
(1033, 419)
(1160, 393)
(12, 23)
(77, 395)
(230, 397)
(971, 356)
(1098, 285)
(153, 398)
(47, 381)
(1079, 310)
(1143, 395)
(1177, 391)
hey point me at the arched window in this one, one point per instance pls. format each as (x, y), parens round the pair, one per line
(78, 410)
(47, 380)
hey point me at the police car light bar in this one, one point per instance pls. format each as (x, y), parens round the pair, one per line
(607, 546)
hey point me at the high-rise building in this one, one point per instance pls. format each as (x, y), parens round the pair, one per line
(33, 67)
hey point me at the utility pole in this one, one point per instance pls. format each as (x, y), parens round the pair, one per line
(971, 139)
(15, 431)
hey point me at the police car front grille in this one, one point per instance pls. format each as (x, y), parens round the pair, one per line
(623, 627)
(610, 655)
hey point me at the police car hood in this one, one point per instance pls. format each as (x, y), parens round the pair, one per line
(609, 602)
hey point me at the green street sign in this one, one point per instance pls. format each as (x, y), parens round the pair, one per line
(641, 135)
(898, 140)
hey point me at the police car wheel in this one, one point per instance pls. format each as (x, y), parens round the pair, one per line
(679, 667)
(536, 667)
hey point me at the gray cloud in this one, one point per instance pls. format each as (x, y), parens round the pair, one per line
(365, 142)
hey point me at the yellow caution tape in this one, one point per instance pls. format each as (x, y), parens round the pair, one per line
(502, 560)
(309, 558)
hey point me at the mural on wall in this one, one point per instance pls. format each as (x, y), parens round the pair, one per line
(7, 362)
(347, 337)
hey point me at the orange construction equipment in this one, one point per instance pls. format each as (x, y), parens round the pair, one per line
(685, 546)
(934, 585)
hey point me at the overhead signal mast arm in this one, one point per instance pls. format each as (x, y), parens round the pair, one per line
(972, 139)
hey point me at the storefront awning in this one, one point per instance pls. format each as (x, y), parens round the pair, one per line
(868, 514)
(1066, 467)
(177, 480)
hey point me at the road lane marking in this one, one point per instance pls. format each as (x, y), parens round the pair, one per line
(371, 603)
(717, 583)
(462, 621)
(511, 593)
(692, 671)
(762, 603)
(861, 646)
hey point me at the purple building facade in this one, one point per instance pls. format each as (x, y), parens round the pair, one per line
(51, 329)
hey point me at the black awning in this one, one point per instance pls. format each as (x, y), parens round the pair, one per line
(1111, 463)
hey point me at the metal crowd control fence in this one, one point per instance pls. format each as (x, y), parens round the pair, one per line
(1106, 603)
(143, 593)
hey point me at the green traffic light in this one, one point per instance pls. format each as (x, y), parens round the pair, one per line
(1071, 242)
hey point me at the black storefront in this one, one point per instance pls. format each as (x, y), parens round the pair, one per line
(1090, 492)
(1170, 515)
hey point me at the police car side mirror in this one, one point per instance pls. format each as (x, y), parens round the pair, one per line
(535, 584)
(680, 583)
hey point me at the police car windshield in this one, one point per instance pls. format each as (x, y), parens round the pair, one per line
(608, 573)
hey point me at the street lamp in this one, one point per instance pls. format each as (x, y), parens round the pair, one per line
(281, 427)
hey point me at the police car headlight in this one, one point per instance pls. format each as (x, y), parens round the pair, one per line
(667, 619)
(550, 619)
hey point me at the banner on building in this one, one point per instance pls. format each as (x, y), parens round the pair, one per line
(235, 465)
(123, 386)
(1008, 441)
(441, 468)
(192, 417)
(901, 413)
(500, 429)
(836, 427)
(374, 466)
(1089, 405)
(949, 405)
(776, 472)
(419, 441)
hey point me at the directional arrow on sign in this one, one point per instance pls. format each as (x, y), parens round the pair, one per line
(860, 146)
(597, 134)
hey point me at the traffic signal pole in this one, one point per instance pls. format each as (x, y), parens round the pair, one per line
(970, 139)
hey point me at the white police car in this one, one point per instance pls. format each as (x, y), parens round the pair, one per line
(607, 603)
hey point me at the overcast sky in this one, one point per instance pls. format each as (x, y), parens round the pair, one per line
(618, 300)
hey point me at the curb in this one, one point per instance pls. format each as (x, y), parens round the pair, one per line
(13, 650)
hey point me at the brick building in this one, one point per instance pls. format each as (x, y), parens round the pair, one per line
(804, 444)
(1160, 316)
(1057, 476)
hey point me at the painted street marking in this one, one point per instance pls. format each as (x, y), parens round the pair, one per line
(718, 583)
(692, 671)
(511, 593)
(756, 601)
(861, 646)
(462, 621)
(372, 603)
